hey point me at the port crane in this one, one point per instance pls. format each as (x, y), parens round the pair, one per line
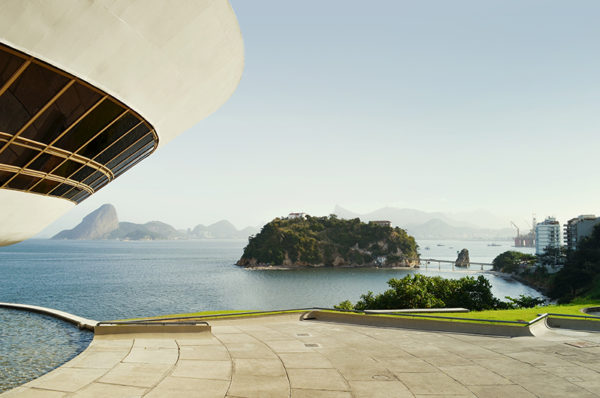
(515, 225)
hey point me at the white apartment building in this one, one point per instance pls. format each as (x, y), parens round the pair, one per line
(547, 234)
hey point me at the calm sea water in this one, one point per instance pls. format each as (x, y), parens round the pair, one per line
(106, 280)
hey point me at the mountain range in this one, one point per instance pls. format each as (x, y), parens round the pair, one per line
(432, 225)
(103, 223)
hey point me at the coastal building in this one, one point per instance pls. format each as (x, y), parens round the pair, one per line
(547, 235)
(293, 216)
(578, 228)
(383, 223)
(88, 89)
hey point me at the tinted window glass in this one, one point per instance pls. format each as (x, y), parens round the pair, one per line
(61, 114)
(12, 113)
(61, 190)
(95, 176)
(22, 182)
(113, 133)
(8, 66)
(83, 173)
(131, 150)
(15, 155)
(95, 121)
(100, 182)
(129, 161)
(45, 186)
(36, 86)
(78, 195)
(100, 135)
(46, 163)
(5, 176)
(67, 168)
(122, 144)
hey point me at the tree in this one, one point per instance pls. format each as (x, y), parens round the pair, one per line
(420, 291)
(581, 274)
(509, 261)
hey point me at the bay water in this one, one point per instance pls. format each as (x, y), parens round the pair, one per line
(107, 280)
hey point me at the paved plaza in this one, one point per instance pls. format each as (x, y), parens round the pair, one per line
(281, 356)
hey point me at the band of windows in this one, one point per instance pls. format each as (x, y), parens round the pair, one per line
(60, 136)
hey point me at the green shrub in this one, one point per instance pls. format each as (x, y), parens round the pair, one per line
(420, 291)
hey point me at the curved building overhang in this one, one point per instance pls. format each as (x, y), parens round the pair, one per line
(90, 88)
(174, 63)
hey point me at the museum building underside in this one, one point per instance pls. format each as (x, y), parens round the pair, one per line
(59, 135)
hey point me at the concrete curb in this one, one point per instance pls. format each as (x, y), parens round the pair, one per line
(574, 324)
(162, 328)
(82, 323)
(424, 324)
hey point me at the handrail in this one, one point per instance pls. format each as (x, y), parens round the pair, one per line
(109, 323)
(539, 318)
(575, 316)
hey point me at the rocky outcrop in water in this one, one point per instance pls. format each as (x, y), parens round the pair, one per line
(463, 259)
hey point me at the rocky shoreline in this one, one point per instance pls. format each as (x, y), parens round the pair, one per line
(297, 267)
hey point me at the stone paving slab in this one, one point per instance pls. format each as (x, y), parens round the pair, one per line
(281, 356)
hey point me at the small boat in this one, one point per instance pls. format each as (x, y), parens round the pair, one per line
(426, 247)
(494, 244)
(439, 244)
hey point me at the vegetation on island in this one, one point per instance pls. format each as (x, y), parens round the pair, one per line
(420, 291)
(329, 241)
(510, 261)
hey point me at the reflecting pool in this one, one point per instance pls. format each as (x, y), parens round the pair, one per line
(33, 344)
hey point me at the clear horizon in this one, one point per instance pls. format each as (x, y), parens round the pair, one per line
(436, 106)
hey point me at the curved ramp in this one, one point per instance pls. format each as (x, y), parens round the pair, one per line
(511, 329)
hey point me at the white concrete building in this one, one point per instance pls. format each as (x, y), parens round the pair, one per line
(547, 234)
(293, 216)
(90, 88)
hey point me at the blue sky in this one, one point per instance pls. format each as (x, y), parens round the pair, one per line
(433, 105)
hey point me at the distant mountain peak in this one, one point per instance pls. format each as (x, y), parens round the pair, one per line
(95, 225)
(430, 225)
(103, 223)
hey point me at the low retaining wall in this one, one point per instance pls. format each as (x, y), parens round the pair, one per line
(587, 325)
(421, 324)
(82, 323)
(156, 329)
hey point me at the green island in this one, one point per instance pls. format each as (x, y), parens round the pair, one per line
(329, 242)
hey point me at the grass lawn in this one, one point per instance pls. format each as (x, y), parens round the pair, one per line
(523, 315)
(210, 315)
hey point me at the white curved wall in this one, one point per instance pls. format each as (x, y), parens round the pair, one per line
(23, 215)
(174, 62)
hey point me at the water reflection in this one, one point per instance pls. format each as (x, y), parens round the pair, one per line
(33, 344)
